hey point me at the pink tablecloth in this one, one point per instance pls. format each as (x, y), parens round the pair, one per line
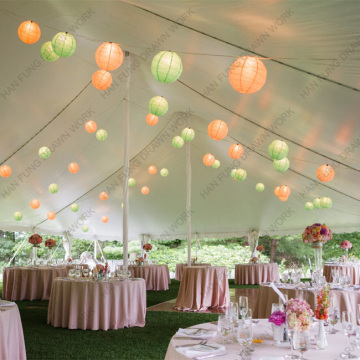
(157, 277)
(90, 304)
(351, 270)
(256, 273)
(30, 283)
(203, 287)
(12, 346)
(180, 268)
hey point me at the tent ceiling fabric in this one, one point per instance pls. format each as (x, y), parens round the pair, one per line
(318, 116)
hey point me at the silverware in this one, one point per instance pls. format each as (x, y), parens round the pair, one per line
(208, 356)
(190, 345)
(189, 338)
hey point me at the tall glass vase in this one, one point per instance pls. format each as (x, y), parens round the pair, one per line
(318, 256)
(346, 255)
(34, 257)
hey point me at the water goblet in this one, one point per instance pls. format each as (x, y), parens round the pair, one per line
(244, 337)
(348, 323)
(224, 327)
(334, 315)
(243, 306)
(301, 341)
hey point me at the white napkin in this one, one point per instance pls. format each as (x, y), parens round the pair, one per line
(200, 350)
(6, 303)
(196, 332)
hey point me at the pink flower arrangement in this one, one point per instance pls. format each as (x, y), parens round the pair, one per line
(260, 248)
(317, 233)
(35, 239)
(50, 243)
(299, 314)
(346, 244)
(277, 318)
(147, 247)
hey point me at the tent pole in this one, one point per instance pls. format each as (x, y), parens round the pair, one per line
(126, 162)
(188, 200)
(19, 248)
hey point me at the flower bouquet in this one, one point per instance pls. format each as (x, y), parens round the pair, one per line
(254, 260)
(50, 243)
(321, 313)
(147, 247)
(345, 245)
(278, 319)
(35, 240)
(140, 261)
(260, 249)
(299, 315)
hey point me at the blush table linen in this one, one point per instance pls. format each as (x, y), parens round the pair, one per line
(97, 304)
(157, 277)
(256, 273)
(203, 287)
(267, 349)
(180, 268)
(351, 270)
(30, 283)
(12, 345)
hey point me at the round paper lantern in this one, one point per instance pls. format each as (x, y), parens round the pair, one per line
(283, 198)
(101, 134)
(188, 134)
(90, 126)
(85, 228)
(29, 32)
(281, 165)
(217, 129)
(109, 56)
(164, 172)
(64, 44)
(284, 191)
(232, 173)
(158, 106)
(104, 219)
(101, 79)
(152, 119)
(54, 188)
(208, 159)
(236, 151)
(240, 174)
(309, 206)
(177, 142)
(259, 187)
(145, 190)
(5, 171)
(131, 182)
(152, 170)
(278, 150)
(18, 215)
(166, 66)
(51, 215)
(325, 202)
(35, 203)
(216, 164)
(73, 167)
(74, 207)
(276, 190)
(103, 195)
(44, 152)
(325, 173)
(317, 203)
(47, 52)
(247, 74)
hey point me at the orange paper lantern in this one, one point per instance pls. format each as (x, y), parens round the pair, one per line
(145, 190)
(152, 170)
(247, 74)
(236, 151)
(102, 79)
(283, 198)
(73, 167)
(152, 119)
(276, 190)
(35, 203)
(217, 129)
(29, 32)
(103, 195)
(51, 215)
(90, 126)
(104, 219)
(208, 159)
(284, 191)
(325, 173)
(5, 171)
(109, 56)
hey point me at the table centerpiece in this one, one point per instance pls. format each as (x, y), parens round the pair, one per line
(35, 240)
(140, 261)
(260, 249)
(50, 243)
(321, 313)
(346, 245)
(278, 320)
(146, 247)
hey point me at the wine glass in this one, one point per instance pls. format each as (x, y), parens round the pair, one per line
(348, 323)
(244, 336)
(334, 315)
(290, 334)
(243, 306)
(224, 327)
(301, 342)
(232, 311)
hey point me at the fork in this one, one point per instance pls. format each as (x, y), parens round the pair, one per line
(190, 345)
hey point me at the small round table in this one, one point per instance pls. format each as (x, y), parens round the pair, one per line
(180, 268)
(351, 270)
(157, 277)
(256, 273)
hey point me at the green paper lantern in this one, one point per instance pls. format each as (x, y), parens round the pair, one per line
(216, 164)
(188, 134)
(63, 44)
(317, 203)
(240, 174)
(158, 106)
(131, 182)
(166, 66)
(74, 207)
(85, 228)
(281, 165)
(54, 188)
(326, 202)
(178, 142)
(164, 172)
(260, 187)
(278, 150)
(309, 205)
(18, 215)
(101, 134)
(47, 52)
(44, 152)
(233, 171)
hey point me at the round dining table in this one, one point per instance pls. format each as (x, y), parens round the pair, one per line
(157, 277)
(256, 273)
(352, 270)
(179, 269)
(84, 303)
(12, 345)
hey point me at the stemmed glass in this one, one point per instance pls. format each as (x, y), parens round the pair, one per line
(224, 327)
(233, 313)
(348, 323)
(244, 336)
(334, 315)
(290, 334)
(301, 341)
(243, 306)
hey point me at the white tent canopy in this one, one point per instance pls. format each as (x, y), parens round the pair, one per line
(310, 100)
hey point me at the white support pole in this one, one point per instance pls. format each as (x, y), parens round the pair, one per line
(90, 245)
(53, 254)
(126, 130)
(188, 199)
